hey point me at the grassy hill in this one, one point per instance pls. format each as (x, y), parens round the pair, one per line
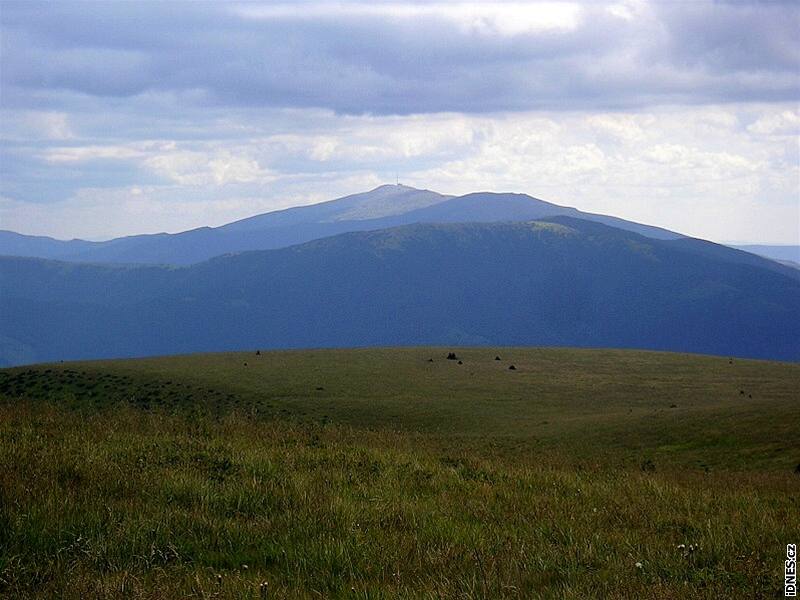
(378, 473)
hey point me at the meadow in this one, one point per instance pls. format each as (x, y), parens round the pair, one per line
(396, 473)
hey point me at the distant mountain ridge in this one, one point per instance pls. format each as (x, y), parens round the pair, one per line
(383, 207)
(559, 281)
(786, 254)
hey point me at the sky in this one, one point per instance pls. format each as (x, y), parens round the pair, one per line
(119, 118)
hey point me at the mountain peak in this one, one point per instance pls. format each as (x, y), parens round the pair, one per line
(395, 187)
(383, 201)
(384, 206)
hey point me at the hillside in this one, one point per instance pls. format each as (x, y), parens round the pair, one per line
(559, 282)
(397, 473)
(491, 207)
(678, 409)
(381, 208)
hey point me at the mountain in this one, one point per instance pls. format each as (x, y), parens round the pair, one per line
(16, 244)
(786, 254)
(559, 281)
(383, 201)
(383, 207)
(490, 207)
(276, 229)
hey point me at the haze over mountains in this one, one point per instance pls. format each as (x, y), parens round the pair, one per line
(554, 281)
(395, 266)
(385, 206)
(785, 254)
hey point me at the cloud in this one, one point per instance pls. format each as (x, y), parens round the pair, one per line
(87, 153)
(721, 172)
(120, 118)
(403, 58)
(783, 123)
(104, 213)
(36, 125)
(505, 19)
(199, 168)
(701, 171)
(169, 161)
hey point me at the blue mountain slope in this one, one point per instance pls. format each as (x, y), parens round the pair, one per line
(556, 281)
(386, 206)
(16, 244)
(490, 207)
(383, 201)
(786, 254)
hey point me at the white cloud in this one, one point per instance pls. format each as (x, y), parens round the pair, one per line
(622, 10)
(55, 125)
(482, 18)
(28, 125)
(105, 213)
(171, 161)
(194, 168)
(88, 153)
(621, 127)
(785, 122)
(698, 170)
(694, 170)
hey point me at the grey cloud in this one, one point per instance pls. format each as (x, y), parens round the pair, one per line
(367, 63)
(734, 36)
(26, 177)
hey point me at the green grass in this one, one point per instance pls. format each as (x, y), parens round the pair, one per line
(198, 476)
